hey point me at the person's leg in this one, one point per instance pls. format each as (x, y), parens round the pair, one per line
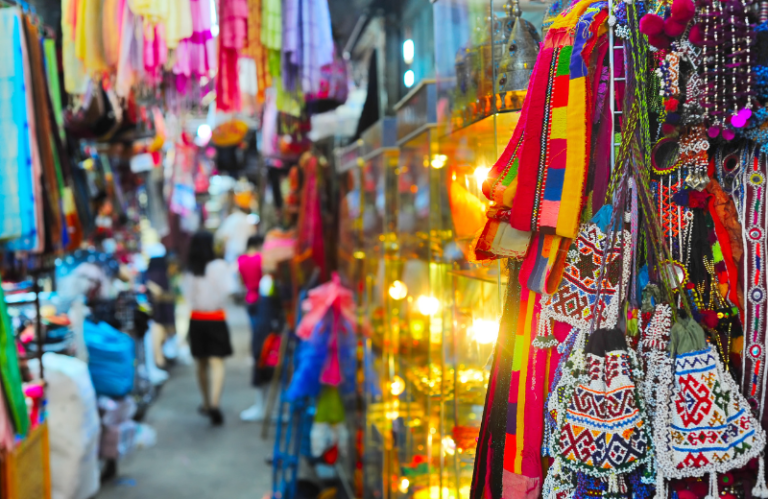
(217, 380)
(158, 338)
(202, 380)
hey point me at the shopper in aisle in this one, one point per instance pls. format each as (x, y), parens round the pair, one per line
(207, 285)
(251, 273)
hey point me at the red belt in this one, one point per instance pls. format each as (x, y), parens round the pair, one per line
(216, 315)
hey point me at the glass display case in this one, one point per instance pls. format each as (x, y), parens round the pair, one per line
(433, 313)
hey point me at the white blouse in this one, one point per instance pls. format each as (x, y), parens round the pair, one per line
(210, 292)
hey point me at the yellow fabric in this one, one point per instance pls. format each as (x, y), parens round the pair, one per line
(559, 128)
(111, 31)
(153, 11)
(569, 20)
(89, 45)
(509, 193)
(178, 26)
(75, 77)
(573, 183)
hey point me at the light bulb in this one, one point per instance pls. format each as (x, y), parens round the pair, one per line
(438, 161)
(427, 305)
(449, 446)
(404, 484)
(397, 386)
(484, 331)
(409, 50)
(481, 173)
(409, 78)
(204, 132)
(398, 290)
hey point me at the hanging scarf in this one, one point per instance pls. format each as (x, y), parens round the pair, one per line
(538, 182)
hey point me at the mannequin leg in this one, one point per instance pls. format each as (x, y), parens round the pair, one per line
(158, 338)
(256, 411)
(202, 381)
(217, 379)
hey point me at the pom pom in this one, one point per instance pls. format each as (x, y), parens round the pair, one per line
(729, 134)
(720, 268)
(686, 494)
(680, 198)
(673, 118)
(696, 35)
(709, 318)
(661, 41)
(668, 129)
(671, 104)
(673, 29)
(713, 131)
(697, 199)
(651, 25)
(682, 11)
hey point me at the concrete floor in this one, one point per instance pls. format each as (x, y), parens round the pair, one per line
(192, 460)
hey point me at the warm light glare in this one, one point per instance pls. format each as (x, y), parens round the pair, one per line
(449, 446)
(481, 173)
(408, 51)
(398, 290)
(438, 161)
(409, 78)
(404, 483)
(397, 386)
(427, 305)
(484, 331)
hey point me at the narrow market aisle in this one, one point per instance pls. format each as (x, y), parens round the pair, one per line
(192, 460)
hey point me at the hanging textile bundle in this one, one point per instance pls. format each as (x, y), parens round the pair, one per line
(576, 301)
(703, 423)
(605, 430)
(538, 182)
(327, 354)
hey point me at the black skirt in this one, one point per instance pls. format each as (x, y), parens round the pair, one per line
(209, 339)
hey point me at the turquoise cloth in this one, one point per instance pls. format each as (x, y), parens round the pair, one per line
(17, 198)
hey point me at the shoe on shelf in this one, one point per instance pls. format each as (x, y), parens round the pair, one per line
(217, 418)
(253, 414)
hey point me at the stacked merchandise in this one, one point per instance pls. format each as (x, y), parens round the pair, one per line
(630, 360)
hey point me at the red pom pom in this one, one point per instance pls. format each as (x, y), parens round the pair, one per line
(682, 11)
(709, 318)
(651, 25)
(667, 129)
(660, 41)
(671, 105)
(696, 35)
(673, 29)
(686, 494)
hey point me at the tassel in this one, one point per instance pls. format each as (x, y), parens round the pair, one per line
(545, 342)
(661, 487)
(713, 493)
(760, 489)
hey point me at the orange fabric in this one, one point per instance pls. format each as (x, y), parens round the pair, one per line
(216, 315)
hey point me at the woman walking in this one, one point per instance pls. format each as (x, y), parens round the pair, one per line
(207, 285)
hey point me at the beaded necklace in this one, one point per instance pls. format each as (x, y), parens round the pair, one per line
(755, 279)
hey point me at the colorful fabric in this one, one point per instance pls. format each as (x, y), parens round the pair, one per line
(234, 34)
(576, 300)
(10, 372)
(255, 49)
(711, 428)
(540, 177)
(196, 55)
(13, 157)
(178, 26)
(317, 43)
(605, 429)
